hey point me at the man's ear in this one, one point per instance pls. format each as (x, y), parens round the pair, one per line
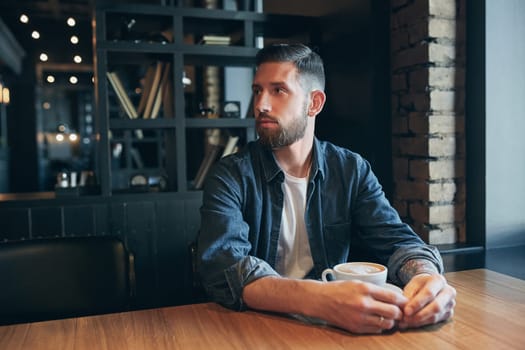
(317, 100)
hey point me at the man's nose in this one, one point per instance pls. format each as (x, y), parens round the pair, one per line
(262, 103)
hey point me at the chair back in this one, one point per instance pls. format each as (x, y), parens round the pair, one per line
(55, 278)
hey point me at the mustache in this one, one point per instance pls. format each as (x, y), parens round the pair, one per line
(264, 115)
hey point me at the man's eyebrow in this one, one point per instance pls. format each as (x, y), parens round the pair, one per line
(274, 83)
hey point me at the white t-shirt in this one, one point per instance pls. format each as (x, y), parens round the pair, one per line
(294, 258)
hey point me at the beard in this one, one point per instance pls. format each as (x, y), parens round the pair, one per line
(283, 135)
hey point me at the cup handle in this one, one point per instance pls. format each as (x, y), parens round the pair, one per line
(327, 272)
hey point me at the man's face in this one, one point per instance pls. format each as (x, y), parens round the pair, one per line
(280, 104)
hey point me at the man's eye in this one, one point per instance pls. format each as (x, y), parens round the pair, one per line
(280, 90)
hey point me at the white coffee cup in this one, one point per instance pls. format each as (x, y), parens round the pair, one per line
(362, 271)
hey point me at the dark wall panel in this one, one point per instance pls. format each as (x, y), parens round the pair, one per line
(171, 249)
(141, 236)
(79, 220)
(101, 219)
(157, 229)
(47, 222)
(14, 224)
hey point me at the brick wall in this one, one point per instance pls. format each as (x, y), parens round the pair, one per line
(428, 100)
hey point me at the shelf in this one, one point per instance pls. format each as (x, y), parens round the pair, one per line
(184, 12)
(142, 47)
(142, 123)
(190, 123)
(211, 14)
(220, 123)
(233, 54)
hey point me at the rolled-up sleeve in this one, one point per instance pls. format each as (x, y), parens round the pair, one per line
(412, 252)
(224, 263)
(392, 241)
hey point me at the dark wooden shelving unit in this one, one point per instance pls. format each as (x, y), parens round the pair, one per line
(112, 51)
(178, 54)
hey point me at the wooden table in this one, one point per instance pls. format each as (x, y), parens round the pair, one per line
(490, 314)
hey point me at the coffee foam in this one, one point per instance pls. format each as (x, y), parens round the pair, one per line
(360, 269)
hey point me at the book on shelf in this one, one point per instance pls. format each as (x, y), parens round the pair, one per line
(231, 146)
(209, 158)
(160, 99)
(124, 99)
(212, 150)
(213, 153)
(147, 80)
(156, 104)
(152, 94)
(215, 40)
(122, 96)
(157, 91)
(156, 94)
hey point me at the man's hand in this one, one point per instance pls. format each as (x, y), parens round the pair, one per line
(431, 300)
(360, 307)
(354, 306)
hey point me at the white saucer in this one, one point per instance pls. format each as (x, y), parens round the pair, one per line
(393, 288)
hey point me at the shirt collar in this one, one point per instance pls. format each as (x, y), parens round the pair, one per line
(272, 169)
(319, 160)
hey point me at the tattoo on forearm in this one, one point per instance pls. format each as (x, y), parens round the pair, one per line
(414, 267)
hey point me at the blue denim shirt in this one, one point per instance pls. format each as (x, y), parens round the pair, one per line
(241, 218)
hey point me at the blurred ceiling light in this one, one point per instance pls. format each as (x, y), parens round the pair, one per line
(24, 18)
(74, 39)
(46, 105)
(73, 137)
(43, 57)
(50, 79)
(35, 34)
(77, 59)
(59, 137)
(73, 79)
(4, 95)
(61, 128)
(71, 22)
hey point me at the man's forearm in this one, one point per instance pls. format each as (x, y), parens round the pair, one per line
(415, 267)
(283, 295)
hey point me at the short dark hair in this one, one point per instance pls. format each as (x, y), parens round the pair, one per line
(308, 63)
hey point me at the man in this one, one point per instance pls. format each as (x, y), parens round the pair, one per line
(287, 206)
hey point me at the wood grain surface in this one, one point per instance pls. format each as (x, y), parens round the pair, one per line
(490, 314)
